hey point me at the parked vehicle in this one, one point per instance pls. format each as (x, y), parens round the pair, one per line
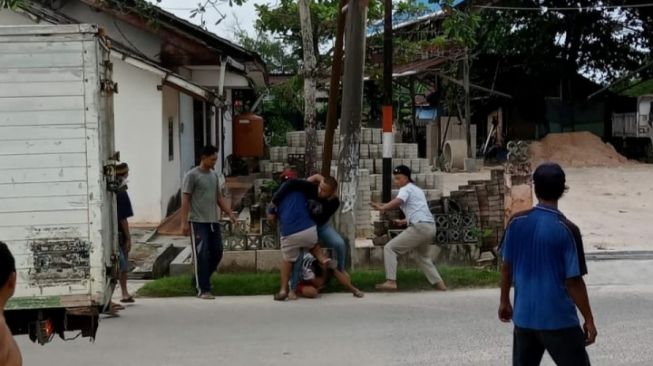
(633, 132)
(57, 208)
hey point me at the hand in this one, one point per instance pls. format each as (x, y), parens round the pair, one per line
(505, 312)
(400, 222)
(590, 332)
(128, 245)
(376, 206)
(185, 228)
(233, 218)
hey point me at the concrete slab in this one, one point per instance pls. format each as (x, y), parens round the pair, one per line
(268, 260)
(238, 261)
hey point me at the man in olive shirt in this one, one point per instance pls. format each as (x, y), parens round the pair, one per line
(201, 192)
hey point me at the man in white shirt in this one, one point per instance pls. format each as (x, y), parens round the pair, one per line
(419, 234)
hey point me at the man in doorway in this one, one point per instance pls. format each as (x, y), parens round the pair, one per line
(201, 192)
(543, 257)
(125, 211)
(9, 352)
(418, 236)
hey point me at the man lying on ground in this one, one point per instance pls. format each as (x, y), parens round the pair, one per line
(310, 277)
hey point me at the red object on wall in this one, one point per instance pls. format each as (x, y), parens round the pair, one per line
(248, 135)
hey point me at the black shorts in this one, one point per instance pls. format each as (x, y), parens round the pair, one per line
(566, 347)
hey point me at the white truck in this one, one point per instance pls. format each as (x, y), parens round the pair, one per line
(633, 132)
(57, 160)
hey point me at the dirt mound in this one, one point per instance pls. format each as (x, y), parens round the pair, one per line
(575, 149)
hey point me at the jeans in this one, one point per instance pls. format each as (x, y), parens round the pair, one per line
(566, 347)
(207, 253)
(330, 238)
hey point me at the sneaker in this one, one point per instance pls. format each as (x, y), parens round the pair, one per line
(206, 296)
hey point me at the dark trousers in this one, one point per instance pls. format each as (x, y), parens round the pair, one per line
(207, 253)
(566, 347)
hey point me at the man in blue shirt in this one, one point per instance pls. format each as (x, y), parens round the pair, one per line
(543, 257)
(298, 231)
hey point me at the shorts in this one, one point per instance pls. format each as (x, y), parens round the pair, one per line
(291, 245)
(123, 260)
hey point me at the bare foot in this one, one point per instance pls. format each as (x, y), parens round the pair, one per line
(440, 286)
(387, 286)
(292, 295)
(359, 294)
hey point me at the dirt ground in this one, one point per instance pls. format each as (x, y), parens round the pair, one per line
(612, 206)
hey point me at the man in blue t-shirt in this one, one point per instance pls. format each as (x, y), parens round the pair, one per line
(543, 257)
(298, 231)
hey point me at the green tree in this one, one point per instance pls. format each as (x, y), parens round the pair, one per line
(275, 54)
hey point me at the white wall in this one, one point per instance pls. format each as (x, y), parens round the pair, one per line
(138, 115)
(170, 169)
(227, 123)
(187, 133)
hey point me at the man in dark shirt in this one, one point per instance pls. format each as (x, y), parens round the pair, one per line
(125, 211)
(543, 257)
(320, 193)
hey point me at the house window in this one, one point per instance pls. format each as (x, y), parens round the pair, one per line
(171, 139)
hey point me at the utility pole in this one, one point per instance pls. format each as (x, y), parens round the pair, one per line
(468, 112)
(334, 91)
(350, 126)
(388, 136)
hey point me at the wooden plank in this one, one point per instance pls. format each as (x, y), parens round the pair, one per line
(48, 31)
(60, 203)
(43, 190)
(39, 75)
(44, 48)
(36, 161)
(34, 232)
(38, 118)
(45, 89)
(38, 133)
(64, 217)
(42, 147)
(63, 103)
(27, 61)
(43, 175)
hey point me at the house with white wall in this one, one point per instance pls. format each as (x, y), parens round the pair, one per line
(175, 82)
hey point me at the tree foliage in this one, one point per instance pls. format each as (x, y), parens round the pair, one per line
(276, 55)
(600, 42)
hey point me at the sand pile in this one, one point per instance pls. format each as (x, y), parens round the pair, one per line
(575, 149)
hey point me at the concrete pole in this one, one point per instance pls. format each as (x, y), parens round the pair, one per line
(350, 126)
(388, 136)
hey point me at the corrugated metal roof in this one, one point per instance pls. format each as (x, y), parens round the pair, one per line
(431, 9)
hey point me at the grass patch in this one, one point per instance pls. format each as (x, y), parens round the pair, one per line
(268, 283)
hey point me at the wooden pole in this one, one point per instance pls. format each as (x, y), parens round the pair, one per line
(350, 126)
(468, 112)
(310, 85)
(334, 91)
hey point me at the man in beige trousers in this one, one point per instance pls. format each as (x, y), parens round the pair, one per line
(419, 234)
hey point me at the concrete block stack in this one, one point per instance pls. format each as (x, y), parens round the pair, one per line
(370, 164)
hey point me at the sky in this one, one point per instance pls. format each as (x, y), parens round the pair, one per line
(245, 15)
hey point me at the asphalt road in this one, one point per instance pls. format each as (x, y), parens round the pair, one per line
(454, 328)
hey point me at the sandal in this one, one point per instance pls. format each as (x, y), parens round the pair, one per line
(385, 287)
(129, 300)
(359, 294)
(280, 296)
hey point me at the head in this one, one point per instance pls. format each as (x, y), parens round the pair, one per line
(7, 274)
(402, 176)
(328, 188)
(208, 157)
(550, 182)
(288, 174)
(122, 171)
